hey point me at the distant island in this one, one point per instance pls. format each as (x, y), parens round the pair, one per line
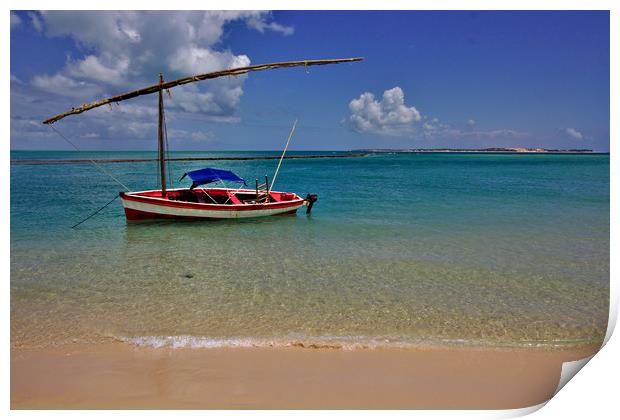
(487, 150)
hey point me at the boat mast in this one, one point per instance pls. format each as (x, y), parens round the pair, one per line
(160, 138)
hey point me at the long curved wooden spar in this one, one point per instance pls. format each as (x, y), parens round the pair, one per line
(167, 85)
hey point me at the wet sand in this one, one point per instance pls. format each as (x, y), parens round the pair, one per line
(121, 376)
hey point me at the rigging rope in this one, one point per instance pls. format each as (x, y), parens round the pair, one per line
(91, 161)
(106, 205)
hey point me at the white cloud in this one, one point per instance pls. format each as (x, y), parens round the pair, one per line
(192, 59)
(261, 25)
(36, 21)
(573, 133)
(389, 116)
(220, 101)
(66, 86)
(15, 20)
(134, 130)
(196, 136)
(129, 49)
(129, 110)
(118, 51)
(180, 43)
(92, 67)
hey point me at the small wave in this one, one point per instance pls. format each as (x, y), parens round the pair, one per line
(182, 341)
(330, 343)
(333, 343)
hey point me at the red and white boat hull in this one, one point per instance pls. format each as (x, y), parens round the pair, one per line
(143, 205)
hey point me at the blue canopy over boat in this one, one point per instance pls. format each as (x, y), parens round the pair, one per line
(208, 175)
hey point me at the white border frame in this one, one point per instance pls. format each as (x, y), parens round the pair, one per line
(593, 394)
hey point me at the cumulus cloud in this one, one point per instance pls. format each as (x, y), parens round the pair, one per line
(118, 51)
(177, 43)
(573, 133)
(60, 84)
(129, 49)
(110, 70)
(389, 116)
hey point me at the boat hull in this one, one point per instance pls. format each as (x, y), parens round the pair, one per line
(149, 205)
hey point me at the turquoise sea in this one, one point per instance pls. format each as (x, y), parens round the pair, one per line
(400, 250)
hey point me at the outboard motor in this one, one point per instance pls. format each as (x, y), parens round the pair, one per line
(310, 200)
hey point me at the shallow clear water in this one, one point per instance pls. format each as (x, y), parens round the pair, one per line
(405, 249)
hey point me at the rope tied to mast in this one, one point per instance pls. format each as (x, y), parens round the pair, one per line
(91, 161)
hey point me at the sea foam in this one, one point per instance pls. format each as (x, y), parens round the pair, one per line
(332, 342)
(335, 343)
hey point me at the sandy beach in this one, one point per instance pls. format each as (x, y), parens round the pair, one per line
(120, 376)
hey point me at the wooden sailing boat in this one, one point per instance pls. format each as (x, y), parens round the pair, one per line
(197, 202)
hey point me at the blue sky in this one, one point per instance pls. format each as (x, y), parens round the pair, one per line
(430, 79)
